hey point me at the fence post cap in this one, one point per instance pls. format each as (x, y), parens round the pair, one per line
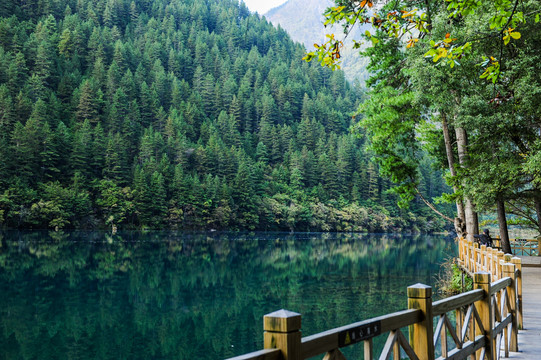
(508, 267)
(419, 291)
(481, 277)
(516, 260)
(282, 321)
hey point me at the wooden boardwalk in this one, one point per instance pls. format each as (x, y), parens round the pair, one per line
(531, 261)
(529, 339)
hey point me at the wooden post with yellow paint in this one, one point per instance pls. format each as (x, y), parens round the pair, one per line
(476, 260)
(499, 263)
(509, 271)
(422, 333)
(518, 266)
(282, 331)
(481, 280)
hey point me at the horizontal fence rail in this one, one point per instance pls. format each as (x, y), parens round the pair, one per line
(481, 323)
(521, 247)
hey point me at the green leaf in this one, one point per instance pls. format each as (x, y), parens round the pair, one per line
(515, 35)
(430, 53)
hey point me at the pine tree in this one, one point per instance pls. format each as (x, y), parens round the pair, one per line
(134, 15)
(17, 73)
(99, 150)
(89, 103)
(208, 95)
(65, 46)
(63, 145)
(118, 112)
(82, 150)
(235, 110)
(7, 111)
(158, 206)
(244, 196)
(262, 154)
(269, 111)
(372, 182)
(146, 106)
(26, 146)
(48, 155)
(43, 64)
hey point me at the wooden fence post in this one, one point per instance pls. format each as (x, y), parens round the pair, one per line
(282, 331)
(494, 268)
(469, 256)
(494, 271)
(539, 246)
(422, 333)
(509, 270)
(481, 280)
(499, 263)
(518, 266)
(484, 258)
(476, 260)
(489, 260)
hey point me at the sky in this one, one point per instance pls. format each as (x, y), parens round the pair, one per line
(262, 6)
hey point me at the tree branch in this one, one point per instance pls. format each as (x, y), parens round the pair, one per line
(430, 205)
(517, 211)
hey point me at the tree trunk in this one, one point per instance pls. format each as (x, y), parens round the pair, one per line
(537, 203)
(460, 219)
(472, 225)
(502, 222)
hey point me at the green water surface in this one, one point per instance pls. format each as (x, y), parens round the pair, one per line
(171, 295)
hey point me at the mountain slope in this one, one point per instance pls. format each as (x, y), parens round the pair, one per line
(191, 114)
(303, 20)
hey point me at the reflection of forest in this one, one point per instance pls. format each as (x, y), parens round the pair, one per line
(165, 295)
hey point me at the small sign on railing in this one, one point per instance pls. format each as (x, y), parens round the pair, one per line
(359, 333)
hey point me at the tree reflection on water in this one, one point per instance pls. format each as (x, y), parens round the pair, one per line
(194, 295)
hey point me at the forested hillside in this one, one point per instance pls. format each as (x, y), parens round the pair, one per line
(186, 114)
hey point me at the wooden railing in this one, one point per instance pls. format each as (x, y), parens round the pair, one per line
(521, 247)
(481, 323)
(474, 258)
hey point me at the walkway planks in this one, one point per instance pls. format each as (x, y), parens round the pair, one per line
(529, 261)
(529, 339)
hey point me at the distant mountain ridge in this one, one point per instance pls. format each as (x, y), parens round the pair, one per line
(303, 20)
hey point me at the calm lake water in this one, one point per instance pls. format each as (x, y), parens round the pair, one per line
(171, 295)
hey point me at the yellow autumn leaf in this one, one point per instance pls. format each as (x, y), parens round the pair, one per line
(515, 35)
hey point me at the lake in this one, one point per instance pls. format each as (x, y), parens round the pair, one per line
(175, 295)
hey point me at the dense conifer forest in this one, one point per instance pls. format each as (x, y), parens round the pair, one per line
(187, 114)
